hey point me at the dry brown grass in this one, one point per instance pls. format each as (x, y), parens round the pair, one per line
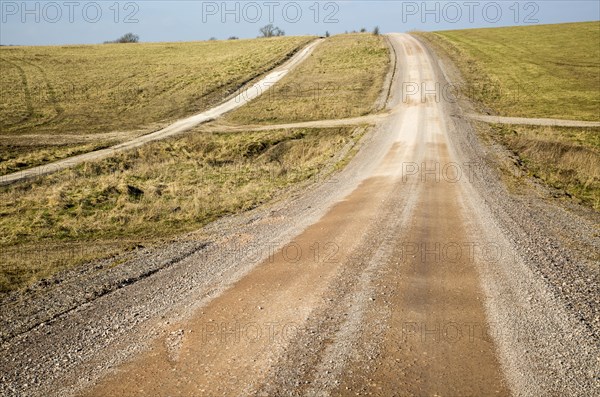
(343, 78)
(14, 157)
(155, 192)
(567, 159)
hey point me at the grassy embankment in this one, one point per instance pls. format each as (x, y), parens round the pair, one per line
(546, 71)
(56, 102)
(166, 188)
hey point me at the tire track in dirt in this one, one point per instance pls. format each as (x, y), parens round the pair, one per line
(51, 93)
(26, 89)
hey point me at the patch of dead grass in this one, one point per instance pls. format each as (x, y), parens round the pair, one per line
(158, 191)
(567, 159)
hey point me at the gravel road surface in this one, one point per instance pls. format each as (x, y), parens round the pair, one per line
(413, 271)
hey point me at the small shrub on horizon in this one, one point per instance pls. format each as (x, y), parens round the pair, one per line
(126, 38)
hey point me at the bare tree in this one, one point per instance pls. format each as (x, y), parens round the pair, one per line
(126, 38)
(271, 31)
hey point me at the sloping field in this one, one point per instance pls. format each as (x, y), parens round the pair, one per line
(53, 99)
(431, 279)
(550, 71)
(547, 71)
(343, 78)
(102, 88)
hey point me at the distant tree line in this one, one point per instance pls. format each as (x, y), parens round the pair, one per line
(375, 31)
(266, 31)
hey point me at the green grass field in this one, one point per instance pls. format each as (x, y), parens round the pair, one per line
(550, 71)
(52, 99)
(547, 71)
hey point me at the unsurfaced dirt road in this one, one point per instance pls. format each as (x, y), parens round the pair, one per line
(394, 281)
(382, 295)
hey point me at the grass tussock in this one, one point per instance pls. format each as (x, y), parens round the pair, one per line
(547, 71)
(567, 159)
(155, 192)
(14, 157)
(343, 78)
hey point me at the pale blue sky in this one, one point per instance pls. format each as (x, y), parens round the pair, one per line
(74, 22)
